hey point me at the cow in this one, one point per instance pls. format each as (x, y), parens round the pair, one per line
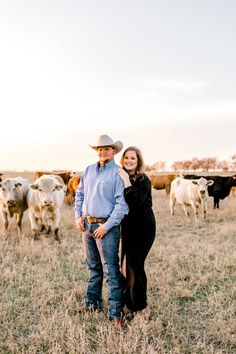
(72, 186)
(162, 181)
(45, 199)
(189, 193)
(221, 187)
(13, 194)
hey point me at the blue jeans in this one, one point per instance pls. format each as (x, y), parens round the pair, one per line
(103, 260)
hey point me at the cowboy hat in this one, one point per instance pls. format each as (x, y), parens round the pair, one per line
(105, 140)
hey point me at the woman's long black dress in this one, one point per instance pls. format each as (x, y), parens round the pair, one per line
(138, 230)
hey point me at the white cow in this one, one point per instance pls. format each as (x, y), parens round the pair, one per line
(190, 193)
(13, 193)
(45, 199)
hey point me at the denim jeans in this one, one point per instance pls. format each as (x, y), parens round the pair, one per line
(103, 260)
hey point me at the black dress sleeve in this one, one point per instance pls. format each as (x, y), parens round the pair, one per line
(140, 192)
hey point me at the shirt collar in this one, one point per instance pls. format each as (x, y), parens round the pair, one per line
(107, 165)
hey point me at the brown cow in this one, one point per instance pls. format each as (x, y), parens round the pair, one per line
(163, 181)
(65, 175)
(73, 185)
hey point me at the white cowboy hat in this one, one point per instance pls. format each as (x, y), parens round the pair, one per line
(105, 140)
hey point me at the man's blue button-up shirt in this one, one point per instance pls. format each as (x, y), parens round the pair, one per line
(101, 194)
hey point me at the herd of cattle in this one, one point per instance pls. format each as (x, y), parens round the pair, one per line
(44, 196)
(193, 190)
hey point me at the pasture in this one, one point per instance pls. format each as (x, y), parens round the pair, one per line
(191, 274)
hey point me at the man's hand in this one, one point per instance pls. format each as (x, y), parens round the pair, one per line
(80, 223)
(100, 232)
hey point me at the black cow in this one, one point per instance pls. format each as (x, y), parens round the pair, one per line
(221, 187)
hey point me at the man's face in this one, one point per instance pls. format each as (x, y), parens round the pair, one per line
(105, 153)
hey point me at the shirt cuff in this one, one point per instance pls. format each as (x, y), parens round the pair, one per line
(108, 225)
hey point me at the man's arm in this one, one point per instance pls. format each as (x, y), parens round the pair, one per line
(79, 198)
(120, 208)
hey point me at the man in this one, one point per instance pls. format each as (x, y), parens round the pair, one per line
(99, 208)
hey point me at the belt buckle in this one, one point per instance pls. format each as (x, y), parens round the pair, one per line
(90, 219)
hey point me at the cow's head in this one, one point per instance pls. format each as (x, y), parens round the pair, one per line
(203, 184)
(8, 190)
(46, 189)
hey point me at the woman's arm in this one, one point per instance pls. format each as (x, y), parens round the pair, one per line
(125, 177)
(136, 194)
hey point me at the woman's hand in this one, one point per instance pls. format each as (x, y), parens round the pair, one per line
(124, 176)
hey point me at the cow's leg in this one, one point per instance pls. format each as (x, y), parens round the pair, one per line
(195, 208)
(49, 230)
(57, 237)
(19, 217)
(167, 190)
(42, 227)
(204, 208)
(56, 221)
(172, 204)
(185, 210)
(34, 224)
(216, 202)
(5, 220)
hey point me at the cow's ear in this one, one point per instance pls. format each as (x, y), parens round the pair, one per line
(210, 182)
(194, 182)
(59, 187)
(34, 186)
(18, 184)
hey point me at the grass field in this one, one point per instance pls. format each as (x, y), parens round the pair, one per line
(191, 289)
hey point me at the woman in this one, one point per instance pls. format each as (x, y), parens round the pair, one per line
(137, 229)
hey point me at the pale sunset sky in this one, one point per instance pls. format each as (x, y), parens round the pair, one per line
(160, 75)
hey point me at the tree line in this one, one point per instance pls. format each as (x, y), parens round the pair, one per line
(196, 164)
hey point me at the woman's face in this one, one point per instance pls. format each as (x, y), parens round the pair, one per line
(130, 162)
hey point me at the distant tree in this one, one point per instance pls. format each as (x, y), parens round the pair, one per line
(177, 166)
(233, 162)
(196, 164)
(147, 168)
(186, 165)
(159, 166)
(209, 163)
(223, 165)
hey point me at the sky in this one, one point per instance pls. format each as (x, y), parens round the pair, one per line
(159, 75)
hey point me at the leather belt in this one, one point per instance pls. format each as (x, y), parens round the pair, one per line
(93, 220)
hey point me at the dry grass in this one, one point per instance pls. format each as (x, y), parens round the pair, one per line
(191, 271)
